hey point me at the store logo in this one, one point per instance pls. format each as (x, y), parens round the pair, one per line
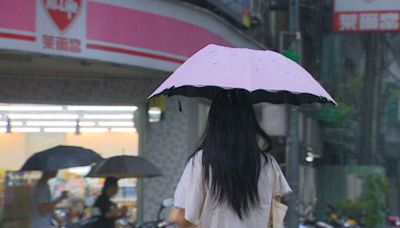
(63, 13)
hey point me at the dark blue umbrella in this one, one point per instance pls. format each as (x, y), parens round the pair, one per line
(124, 166)
(61, 157)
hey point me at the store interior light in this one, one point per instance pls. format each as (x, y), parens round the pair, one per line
(82, 170)
(115, 123)
(16, 123)
(66, 118)
(87, 124)
(123, 129)
(101, 108)
(3, 129)
(59, 129)
(43, 116)
(30, 108)
(51, 123)
(13, 123)
(108, 116)
(93, 130)
(25, 129)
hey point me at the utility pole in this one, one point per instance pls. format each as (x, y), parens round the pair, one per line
(369, 126)
(293, 151)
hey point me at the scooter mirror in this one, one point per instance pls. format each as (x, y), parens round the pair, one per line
(168, 202)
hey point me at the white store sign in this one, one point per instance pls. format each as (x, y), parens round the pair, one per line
(366, 16)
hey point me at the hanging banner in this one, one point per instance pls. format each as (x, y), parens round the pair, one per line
(366, 16)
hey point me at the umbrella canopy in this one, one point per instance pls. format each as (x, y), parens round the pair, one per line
(268, 75)
(61, 157)
(124, 167)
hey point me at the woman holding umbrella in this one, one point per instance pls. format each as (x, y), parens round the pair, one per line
(231, 180)
(227, 181)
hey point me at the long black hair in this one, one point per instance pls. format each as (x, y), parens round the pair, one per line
(232, 144)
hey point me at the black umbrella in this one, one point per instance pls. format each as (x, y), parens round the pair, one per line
(61, 157)
(124, 167)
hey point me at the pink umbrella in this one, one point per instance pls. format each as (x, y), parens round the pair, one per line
(267, 75)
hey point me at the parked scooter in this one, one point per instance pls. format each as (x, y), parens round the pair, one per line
(315, 224)
(340, 221)
(159, 222)
(306, 220)
(335, 220)
(393, 221)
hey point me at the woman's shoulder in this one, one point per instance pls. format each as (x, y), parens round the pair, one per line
(271, 163)
(195, 159)
(271, 159)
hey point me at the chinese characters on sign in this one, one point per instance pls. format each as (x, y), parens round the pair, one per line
(60, 43)
(366, 16)
(369, 21)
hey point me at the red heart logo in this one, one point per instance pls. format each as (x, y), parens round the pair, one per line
(63, 13)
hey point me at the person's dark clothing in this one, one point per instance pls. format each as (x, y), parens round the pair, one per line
(104, 204)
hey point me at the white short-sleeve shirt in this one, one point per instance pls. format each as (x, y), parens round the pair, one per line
(192, 195)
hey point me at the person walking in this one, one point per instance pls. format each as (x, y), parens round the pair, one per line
(109, 212)
(42, 204)
(231, 178)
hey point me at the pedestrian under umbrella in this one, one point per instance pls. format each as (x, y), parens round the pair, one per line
(231, 179)
(49, 161)
(60, 157)
(124, 166)
(42, 203)
(109, 212)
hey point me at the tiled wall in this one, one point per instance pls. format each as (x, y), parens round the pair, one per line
(168, 144)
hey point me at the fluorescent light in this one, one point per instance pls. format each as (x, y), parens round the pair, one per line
(43, 116)
(108, 116)
(82, 170)
(123, 129)
(87, 123)
(3, 130)
(13, 123)
(97, 129)
(25, 129)
(16, 123)
(51, 123)
(101, 108)
(59, 129)
(116, 124)
(30, 108)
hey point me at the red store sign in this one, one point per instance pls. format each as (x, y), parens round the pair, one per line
(120, 31)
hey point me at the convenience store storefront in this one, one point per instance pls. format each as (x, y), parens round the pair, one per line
(104, 53)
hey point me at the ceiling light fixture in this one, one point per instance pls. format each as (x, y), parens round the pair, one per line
(25, 129)
(59, 129)
(108, 116)
(101, 108)
(123, 129)
(43, 116)
(87, 124)
(51, 123)
(115, 124)
(29, 108)
(93, 130)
